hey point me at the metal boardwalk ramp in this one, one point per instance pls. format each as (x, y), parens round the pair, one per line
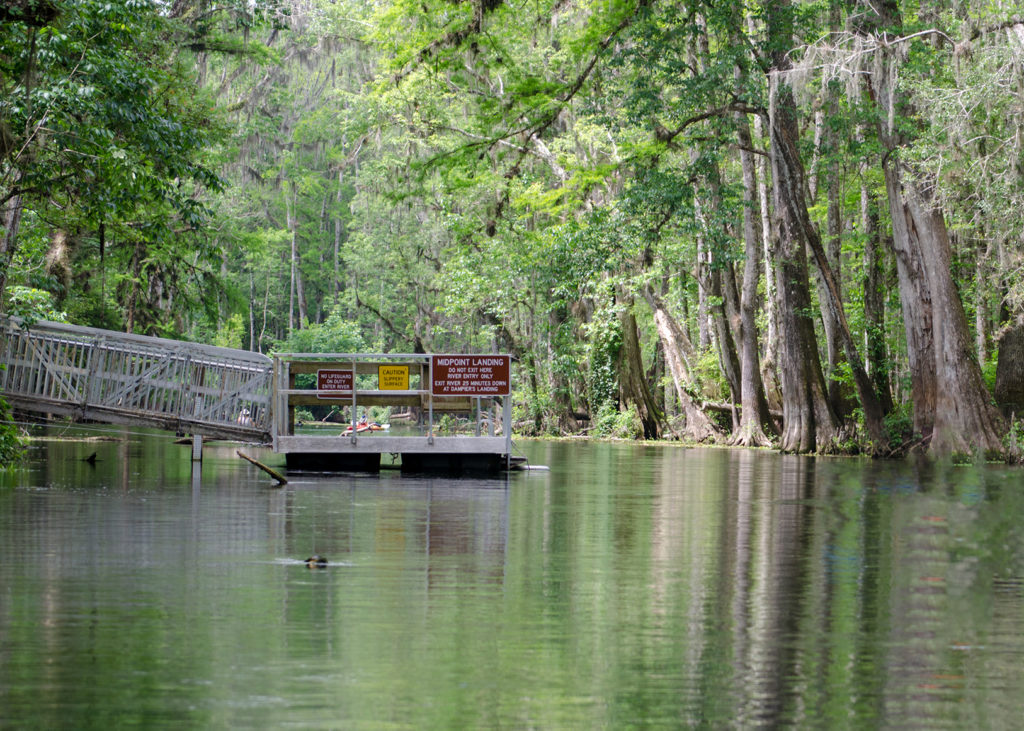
(118, 378)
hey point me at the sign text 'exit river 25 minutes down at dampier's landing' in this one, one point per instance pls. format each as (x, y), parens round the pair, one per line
(470, 375)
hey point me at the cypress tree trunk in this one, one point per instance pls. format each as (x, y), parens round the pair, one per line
(291, 263)
(832, 316)
(865, 390)
(965, 419)
(252, 313)
(952, 406)
(299, 287)
(720, 311)
(809, 423)
(538, 413)
(874, 301)
(720, 281)
(825, 146)
(916, 305)
(632, 384)
(726, 307)
(769, 375)
(338, 229)
(679, 355)
(703, 288)
(754, 407)
(9, 239)
(796, 230)
(833, 332)
(1010, 371)
(132, 300)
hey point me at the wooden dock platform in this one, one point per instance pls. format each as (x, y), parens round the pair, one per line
(470, 390)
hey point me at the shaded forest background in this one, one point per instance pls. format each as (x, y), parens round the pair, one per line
(786, 223)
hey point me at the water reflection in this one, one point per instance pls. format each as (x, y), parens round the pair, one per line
(629, 586)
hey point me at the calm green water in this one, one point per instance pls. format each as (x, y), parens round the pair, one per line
(629, 587)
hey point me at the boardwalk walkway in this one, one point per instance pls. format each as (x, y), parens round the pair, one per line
(112, 377)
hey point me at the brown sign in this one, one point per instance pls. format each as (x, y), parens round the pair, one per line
(470, 375)
(333, 383)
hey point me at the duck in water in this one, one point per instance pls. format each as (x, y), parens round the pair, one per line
(316, 561)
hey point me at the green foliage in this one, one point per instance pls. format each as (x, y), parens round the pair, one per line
(1014, 441)
(612, 422)
(105, 136)
(92, 309)
(337, 334)
(11, 444)
(709, 377)
(899, 427)
(231, 334)
(605, 340)
(447, 424)
(533, 405)
(32, 304)
(988, 371)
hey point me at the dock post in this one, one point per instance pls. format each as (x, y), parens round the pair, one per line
(430, 403)
(278, 407)
(506, 423)
(355, 407)
(197, 447)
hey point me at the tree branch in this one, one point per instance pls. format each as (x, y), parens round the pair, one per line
(666, 135)
(417, 343)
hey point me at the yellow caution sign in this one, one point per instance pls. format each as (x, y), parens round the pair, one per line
(393, 377)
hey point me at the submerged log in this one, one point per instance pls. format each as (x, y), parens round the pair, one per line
(276, 475)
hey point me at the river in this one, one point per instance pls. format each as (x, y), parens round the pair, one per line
(630, 586)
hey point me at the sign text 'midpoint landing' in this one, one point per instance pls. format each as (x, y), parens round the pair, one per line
(470, 375)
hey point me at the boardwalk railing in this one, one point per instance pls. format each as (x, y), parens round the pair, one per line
(118, 378)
